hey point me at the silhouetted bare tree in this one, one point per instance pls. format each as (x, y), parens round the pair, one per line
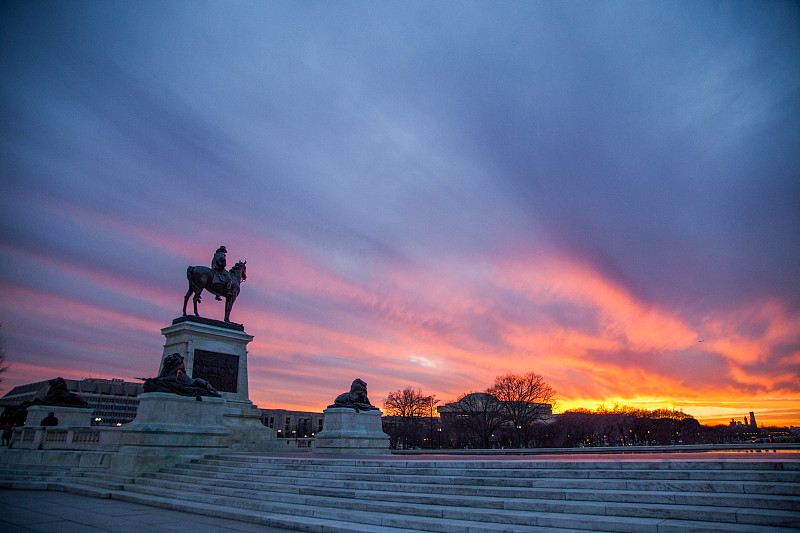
(409, 405)
(525, 399)
(479, 414)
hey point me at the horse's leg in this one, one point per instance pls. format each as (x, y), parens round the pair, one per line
(195, 300)
(229, 305)
(186, 300)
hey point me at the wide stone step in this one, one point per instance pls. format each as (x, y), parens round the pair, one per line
(621, 466)
(21, 482)
(742, 485)
(106, 482)
(532, 498)
(609, 464)
(670, 485)
(393, 478)
(689, 526)
(28, 469)
(454, 520)
(506, 472)
(24, 485)
(522, 464)
(28, 476)
(111, 478)
(478, 508)
(425, 492)
(366, 519)
(304, 523)
(83, 489)
(420, 518)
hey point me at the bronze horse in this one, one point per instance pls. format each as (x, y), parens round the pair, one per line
(200, 278)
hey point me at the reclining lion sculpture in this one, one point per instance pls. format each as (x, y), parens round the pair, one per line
(356, 398)
(173, 378)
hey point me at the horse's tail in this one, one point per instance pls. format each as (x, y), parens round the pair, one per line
(190, 276)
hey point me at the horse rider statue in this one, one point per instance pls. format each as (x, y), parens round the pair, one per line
(216, 280)
(219, 274)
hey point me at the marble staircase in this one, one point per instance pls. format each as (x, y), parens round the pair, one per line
(343, 494)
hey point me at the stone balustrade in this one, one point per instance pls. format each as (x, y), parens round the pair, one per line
(66, 438)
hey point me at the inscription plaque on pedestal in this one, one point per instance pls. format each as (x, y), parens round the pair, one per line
(219, 369)
(213, 353)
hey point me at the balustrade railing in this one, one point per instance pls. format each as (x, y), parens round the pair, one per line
(99, 438)
(56, 435)
(64, 438)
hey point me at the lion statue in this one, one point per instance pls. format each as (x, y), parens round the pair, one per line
(59, 395)
(356, 398)
(173, 378)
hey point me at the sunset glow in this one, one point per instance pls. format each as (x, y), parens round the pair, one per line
(604, 194)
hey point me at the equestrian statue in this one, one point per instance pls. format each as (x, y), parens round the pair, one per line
(216, 280)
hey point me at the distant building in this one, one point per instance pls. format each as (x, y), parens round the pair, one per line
(113, 401)
(474, 402)
(478, 420)
(477, 401)
(292, 424)
(751, 423)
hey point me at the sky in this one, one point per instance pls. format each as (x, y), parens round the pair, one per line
(427, 194)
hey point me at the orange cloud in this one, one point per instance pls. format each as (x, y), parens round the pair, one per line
(425, 327)
(747, 335)
(449, 330)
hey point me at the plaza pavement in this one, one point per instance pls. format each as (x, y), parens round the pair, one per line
(61, 512)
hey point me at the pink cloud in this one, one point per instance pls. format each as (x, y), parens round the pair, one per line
(448, 331)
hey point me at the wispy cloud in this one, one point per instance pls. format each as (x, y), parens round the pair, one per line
(604, 194)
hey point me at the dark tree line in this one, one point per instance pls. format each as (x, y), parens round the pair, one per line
(622, 426)
(504, 414)
(515, 412)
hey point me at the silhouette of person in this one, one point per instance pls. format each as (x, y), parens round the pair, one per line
(218, 272)
(49, 420)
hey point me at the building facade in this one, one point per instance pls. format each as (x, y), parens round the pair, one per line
(480, 420)
(113, 401)
(292, 424)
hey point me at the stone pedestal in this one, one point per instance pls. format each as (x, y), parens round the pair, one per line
(346, 431)
(169, 429)
(212, 350)
(217, 352)
(67, 416)
(183, 418)
(243, 419)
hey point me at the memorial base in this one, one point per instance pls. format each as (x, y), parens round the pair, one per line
(169, 429)
(248, 434)
(67, 416)
(212, 351)
(217, 352)
(349, 432)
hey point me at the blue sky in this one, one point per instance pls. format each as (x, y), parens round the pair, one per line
(426, 193)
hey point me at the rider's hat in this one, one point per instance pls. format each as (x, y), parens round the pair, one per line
(222, 249)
